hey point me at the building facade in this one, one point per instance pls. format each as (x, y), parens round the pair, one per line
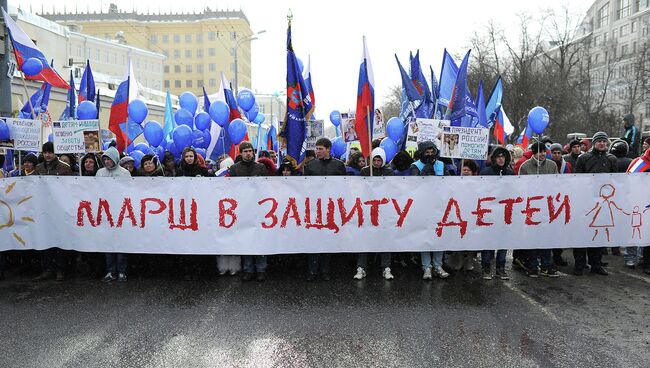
(618, 36)
(197, 46)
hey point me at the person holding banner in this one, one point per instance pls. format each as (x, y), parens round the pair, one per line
(30, 161)
(244, 168)
(323, 165)
(53, 260)
(378, 169)
(116, 263)
(89, 165)
(427, 165)
(596, 161)
(499, 166)
(539, 165)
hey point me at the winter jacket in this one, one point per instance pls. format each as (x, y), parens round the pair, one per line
(527, 156)
(622, 163)
(326, 167)
(116, 170)
(157, 172)
(493, 169)
(631, 136)
(193, 171)
(571, 159)
(54, 167)
(250, 168)
(534, 167)
(352, 171)
(383, 171)
(641, 163)
(596, 162)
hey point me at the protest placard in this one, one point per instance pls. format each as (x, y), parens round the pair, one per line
(25, 134)
(76, 136)
(348, 130)
(420, 130)
(465, 143)
(315, 130)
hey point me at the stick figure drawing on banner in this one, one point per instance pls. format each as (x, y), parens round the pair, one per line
(603, 216)
(637, 220)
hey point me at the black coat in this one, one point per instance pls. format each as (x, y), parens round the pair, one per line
(384, 171)
(595, 162)
(327, 167)
(250, 168)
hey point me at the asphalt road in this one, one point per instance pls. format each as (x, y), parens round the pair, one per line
(158, 320)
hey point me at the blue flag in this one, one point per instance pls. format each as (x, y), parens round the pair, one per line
(168, 119)
(97, 104)
(425, 110)
(448, 75)
(410, 101)
(40, 99)
(494, 102)
(434, 95)
(461, 108)
(206, 102)
(87, 85)
(299, 107)
(70, 112)
(480, 107)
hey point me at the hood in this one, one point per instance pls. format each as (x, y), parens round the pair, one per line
(270, 165)
(379, 152)
(423, 146)
(112, 153)
(628, 120)
(500, 150)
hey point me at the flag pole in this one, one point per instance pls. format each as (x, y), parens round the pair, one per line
(369, 135)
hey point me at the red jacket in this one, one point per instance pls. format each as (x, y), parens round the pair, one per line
(527, 155)
(645, 157)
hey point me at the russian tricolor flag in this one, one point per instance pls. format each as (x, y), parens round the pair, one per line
(221, 142)
(127, 91)
(524, 137)
(365, 102)
(639, 165)
(25, 49)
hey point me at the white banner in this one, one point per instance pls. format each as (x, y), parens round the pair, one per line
(465, 143)
(76, 136)
(26, 134)
(323, 214)
(420, 130)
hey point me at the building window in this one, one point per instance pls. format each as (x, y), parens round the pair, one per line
(188, 83)
(165, 38)
(625, 30)
(199, 38)
(623, 9)
(166, 83)
(177, 38)
(177, 54)
(166, 68)
(634, 47)
(212, 36)
(177, 68)
(188, 38)
(199, 83)
(605, 38)
(624, 49)
(596, 39)
(633, 27)
(153, 39)
(615, 33)
(199, 53)
(199, 68)
(213, 82)
(212, 51)
(188, 54)
(188, 68)
(603, 15)
(177, 84)
(212, 67)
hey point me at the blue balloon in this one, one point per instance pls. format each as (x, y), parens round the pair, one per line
(184, 117)
(245, 99)
(395, 129)
(174, 150)
(259, 119)
(207, 138)
(202, 120)
(538, 119)
(390, 147)
(153, 133)
(32, 66)
(200, 151)
(4, 131)
(137, 157)
(335, 118)
(220, 113)
(252, 113)
(197, 139)
(138, 111)
(188, 101)
(237, 131)
(160, 152)
(87, 111)
(142, 147)
(182, 137)
(338, 147)
(105, 146)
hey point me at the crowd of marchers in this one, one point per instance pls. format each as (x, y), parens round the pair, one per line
(597, 155)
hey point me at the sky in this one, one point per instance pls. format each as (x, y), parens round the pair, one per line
(330, 32)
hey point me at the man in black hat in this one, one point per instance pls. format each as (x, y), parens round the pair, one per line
(248, 167)
(596, 161)
(574, 153)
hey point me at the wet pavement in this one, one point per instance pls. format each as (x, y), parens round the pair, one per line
(157, 320)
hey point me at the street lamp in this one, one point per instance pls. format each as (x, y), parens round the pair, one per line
(239, 43)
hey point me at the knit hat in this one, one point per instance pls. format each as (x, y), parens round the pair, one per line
(574, 142)
(48, 147)
(30, 157)
(628, 119)
(556, 147)
(245, 145)
(126, 159)
(599, 136)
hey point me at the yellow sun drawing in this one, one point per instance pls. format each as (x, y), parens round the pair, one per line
(10, 218)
